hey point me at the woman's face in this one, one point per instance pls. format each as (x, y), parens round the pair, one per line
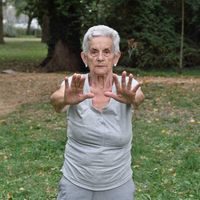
(100, 57)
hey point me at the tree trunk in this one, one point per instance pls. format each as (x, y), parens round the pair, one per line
(28, 30)
(63, 59)
(45, 28)
(182, 37)
(64, 41)
(1, 22)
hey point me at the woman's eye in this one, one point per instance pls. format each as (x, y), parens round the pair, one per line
(94, 53)
(106, 53)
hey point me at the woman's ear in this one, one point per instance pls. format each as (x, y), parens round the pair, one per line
(84, 57)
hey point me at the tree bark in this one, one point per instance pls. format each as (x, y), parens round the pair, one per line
(45, 28)
(1, 22)
(28, 30)
(63, 41)
(62, 59)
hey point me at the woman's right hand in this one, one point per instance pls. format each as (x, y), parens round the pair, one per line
(73, 93)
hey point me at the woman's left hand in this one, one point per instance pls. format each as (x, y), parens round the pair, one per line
(125, 92)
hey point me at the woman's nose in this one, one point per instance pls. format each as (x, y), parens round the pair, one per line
(100, 56)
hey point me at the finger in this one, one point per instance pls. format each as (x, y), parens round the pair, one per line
(130, 81)
(82, 81)
(123, 79)
(73, 83)
(111, 95)
(115, 79)
(136, 87)
(87, 96)
(66, 83)
(78, 79)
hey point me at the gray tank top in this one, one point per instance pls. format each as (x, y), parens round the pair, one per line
(97, 153)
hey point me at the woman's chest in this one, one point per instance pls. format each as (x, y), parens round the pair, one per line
(100, 101)
(107, 128)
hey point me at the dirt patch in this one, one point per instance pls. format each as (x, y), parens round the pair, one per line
(20, 88)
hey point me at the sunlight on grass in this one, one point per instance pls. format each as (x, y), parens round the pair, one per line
(22, 49)
(166, 147)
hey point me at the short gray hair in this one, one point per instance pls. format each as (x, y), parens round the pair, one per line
(101, 30)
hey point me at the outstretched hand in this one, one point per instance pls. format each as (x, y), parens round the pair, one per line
(73, 93)
(125, 92)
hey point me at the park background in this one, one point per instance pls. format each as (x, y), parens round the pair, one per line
(160, 43)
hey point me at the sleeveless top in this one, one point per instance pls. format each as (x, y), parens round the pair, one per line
(98, 150)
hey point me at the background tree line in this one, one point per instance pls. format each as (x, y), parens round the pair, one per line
(150, 30)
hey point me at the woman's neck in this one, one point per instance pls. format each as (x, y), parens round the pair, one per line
(101, 81)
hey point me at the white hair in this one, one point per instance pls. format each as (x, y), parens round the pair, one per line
(101, 30)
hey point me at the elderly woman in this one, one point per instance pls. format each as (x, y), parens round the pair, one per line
(97, 164)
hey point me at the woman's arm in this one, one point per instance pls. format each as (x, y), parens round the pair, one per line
(139, 97)
(57, 99)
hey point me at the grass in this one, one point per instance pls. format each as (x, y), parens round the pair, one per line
(31, 151)
(17, 49)
(166, 142)
(166, 147)
(22, 54)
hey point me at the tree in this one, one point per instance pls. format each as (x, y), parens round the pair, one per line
(60, 22)
(149, 29)
(182, 36)
(148, 24)
(64, 36)
(26, 7)
(1, 22)
(153, 24)
(34, 9)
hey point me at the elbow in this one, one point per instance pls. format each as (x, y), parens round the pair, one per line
(142, 97)
(139, 98)
(53, 102)
(57, 109)
(58, 104)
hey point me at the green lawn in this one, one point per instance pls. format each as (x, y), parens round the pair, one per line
(166, 150)
(22, 49)
(166, 147)
(22, 54)
(166, 142)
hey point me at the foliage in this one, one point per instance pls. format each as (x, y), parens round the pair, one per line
(11, 31)
(32, 52)
(155, 30)
(165, 147)
(27, 7)
(154, 25)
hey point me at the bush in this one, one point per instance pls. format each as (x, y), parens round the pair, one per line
(11, 31)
